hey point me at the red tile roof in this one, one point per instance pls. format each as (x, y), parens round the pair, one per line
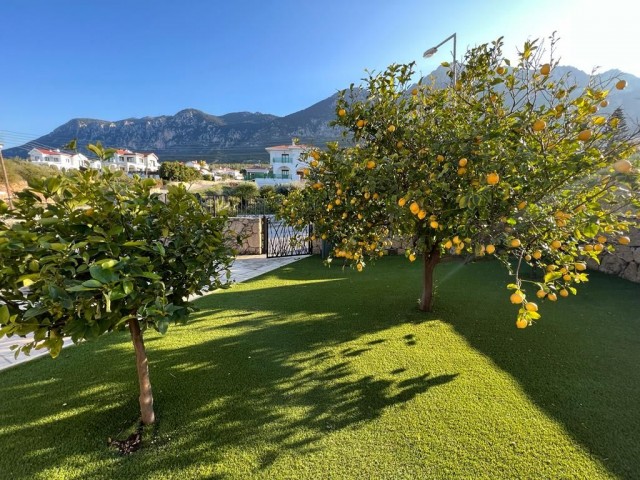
(51, 152)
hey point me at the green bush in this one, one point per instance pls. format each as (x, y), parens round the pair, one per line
(178, 172)
(104, 253)
(21, 170)
(267, 191)
(246, 190)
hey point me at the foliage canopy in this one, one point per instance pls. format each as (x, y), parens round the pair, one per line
(510, 161)
(178, 172)
(90, 252)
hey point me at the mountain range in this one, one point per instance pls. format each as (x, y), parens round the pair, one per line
(242, 137)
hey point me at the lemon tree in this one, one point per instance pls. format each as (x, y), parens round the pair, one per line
(91, 252)
(511, 161)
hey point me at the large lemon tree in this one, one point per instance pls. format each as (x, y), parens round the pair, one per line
(510, 161)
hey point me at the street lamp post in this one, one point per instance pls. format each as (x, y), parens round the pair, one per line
(433, 50)
(6, 178)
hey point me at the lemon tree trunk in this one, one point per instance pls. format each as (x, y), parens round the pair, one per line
(430, 260)
(146, 396)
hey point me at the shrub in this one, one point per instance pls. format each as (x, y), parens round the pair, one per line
(103, 253)
(178, 172)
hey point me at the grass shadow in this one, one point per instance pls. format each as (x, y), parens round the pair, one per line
(578, 363)
(277, 379)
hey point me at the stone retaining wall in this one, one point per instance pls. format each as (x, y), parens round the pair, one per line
(624, 262)
(245, 235)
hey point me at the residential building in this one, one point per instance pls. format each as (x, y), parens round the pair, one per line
(286, 165)
(225, 172)
(151, 162)
(133, 162)
(60, 159)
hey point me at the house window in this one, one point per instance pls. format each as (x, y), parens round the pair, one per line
(285, 172)
(285, 158)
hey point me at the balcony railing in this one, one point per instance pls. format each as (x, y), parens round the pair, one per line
(283, 160)
(280, 176)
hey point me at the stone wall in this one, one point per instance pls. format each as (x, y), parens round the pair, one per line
(245, 235)
(624, 262)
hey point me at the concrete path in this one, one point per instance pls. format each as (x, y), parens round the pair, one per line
(244, 268)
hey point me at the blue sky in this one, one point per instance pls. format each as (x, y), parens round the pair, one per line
(116, 59)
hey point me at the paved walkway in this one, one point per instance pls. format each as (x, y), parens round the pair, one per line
(244, 268)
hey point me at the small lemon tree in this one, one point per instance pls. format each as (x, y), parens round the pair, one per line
(90, 252)
(510, 161)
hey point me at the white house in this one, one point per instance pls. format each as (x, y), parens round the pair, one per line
(151, 163)
(225, 172)
(133, 162)
(286, 165)
(57, 158)
(202, 167)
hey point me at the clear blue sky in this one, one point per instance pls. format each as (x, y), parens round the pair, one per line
(116, 59)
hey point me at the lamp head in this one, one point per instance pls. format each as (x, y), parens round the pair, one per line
(429, 53)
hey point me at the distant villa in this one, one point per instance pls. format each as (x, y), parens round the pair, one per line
(285, 165)
(122, 159)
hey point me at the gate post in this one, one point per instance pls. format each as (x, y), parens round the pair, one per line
(265, 235)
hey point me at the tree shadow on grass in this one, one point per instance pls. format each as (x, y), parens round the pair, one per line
(579, 363)
(269, 378)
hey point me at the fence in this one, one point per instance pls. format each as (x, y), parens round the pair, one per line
(235, 206)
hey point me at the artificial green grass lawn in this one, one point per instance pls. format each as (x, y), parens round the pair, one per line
(310, 372)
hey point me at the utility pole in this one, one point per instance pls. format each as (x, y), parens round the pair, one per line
(6, 178)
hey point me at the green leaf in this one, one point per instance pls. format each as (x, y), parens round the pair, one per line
(160, 248)
(534, 315)
(49, 220)
(92, 284)
(591, 230)
(162, 325)
(55, 345)
(150, 275)
(117, 294)
(551, 276)
(53, 184)
(103, 275)
(29, 278)
(78, 288)
(127, 286)
(135, 243)
(4, 314)
(108, 263)
(34, 312)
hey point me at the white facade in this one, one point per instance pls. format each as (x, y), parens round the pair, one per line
(133, 162)
(59, 159)
(123, 160)
(225, 172)
(151, 163)
(286, 166)
(195, 164)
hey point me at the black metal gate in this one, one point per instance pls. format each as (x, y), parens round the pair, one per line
(282, 240)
